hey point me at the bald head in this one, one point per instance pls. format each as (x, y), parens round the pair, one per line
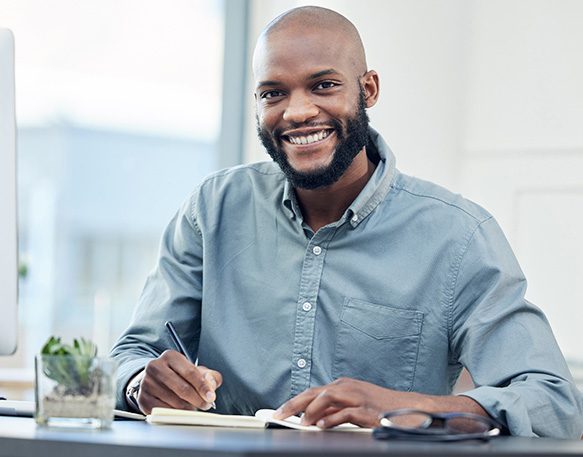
(320, 24)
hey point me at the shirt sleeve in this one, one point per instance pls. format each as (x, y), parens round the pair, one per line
(506, 343)
(173, 291)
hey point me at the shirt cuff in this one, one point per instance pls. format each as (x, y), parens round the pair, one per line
(505, 407)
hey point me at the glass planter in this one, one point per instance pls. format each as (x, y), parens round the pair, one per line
(74, 391)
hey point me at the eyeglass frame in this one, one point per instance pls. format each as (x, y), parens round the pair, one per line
(425, 433)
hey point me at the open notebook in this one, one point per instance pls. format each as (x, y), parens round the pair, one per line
(262, 419)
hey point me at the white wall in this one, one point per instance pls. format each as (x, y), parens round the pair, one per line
(522, 145)
(485, 97)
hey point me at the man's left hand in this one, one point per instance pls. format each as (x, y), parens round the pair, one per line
(362, 403)
(345, 400)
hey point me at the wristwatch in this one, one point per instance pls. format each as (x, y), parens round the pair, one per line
(132, 391)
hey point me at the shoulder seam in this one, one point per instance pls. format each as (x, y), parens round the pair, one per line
(219, 174)
(228, 171)
(193, 217)
(455, 270)
(453, 205)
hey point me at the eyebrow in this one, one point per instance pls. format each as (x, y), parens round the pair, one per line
(319, 74)
(329, 71)
(267, 83)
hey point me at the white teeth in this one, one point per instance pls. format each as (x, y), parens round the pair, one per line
(309, 139)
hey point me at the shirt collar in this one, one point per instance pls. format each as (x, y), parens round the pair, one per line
(290, 200)
(378, 185)
(370, 196)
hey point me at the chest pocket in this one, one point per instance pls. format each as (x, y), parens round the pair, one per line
(378, 344)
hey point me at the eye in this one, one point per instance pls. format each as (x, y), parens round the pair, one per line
(325, 85)
(270, 94)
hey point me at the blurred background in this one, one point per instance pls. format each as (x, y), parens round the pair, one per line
(124, 106)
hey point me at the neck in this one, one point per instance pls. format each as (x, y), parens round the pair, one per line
(325, 205)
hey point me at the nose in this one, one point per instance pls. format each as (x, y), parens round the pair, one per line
(300, 108)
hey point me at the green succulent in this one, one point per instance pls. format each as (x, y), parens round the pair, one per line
(70, 365)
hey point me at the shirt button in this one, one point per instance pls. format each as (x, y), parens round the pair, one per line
(317, 250)
(301, 363)
(355, 218)
(307, 306)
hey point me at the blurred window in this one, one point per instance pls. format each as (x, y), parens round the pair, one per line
(119, 111)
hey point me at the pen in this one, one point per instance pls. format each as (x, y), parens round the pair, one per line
(180, 346)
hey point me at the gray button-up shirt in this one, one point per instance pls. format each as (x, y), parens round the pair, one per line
(409, 285)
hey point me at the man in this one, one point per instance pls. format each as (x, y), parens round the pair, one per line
(331, 284)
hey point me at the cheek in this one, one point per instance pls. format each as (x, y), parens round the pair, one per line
(343, 110)
(342, 105)
(267, 118)
(260, 112)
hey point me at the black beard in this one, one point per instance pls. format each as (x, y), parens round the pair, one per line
(349, 145)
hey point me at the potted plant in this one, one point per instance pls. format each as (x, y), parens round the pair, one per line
(74, 387)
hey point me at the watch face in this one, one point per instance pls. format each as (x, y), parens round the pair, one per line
(134, 386)
(133, 389)
(132, 396)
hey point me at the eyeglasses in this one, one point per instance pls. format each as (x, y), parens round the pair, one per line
(413, 424)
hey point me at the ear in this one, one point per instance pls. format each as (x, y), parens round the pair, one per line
(370, 84)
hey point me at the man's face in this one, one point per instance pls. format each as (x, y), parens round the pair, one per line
(311, 111)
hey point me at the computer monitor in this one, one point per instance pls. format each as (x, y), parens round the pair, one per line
(8, 224)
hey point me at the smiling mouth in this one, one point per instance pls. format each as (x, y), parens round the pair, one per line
(308, 139)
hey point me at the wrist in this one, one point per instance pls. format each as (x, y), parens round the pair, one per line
(449, 404)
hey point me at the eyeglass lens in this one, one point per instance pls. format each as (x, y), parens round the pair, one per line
(455, 424)
(412, 420)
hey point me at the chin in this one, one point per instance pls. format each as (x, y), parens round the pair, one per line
(312, 168)
(313, 162)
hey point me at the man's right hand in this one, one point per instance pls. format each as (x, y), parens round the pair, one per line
(171, 381)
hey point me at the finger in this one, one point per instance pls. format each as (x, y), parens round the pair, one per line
(215, 374)
(147, 401)
(173, 375)
(364, 417)
(213, 377)
(331, 410)
(297, 404)
(198, 388)
(166, 393)
(330, 397)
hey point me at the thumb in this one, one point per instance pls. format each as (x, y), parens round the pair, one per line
(213, 378)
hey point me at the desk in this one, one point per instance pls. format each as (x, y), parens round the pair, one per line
(20, 437)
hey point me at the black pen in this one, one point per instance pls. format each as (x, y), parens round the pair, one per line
(180, 346)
